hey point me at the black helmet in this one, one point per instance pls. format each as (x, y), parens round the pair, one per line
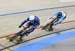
(59, 14)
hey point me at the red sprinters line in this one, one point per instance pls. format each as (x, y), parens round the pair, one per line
(68, 21)
(7, 35)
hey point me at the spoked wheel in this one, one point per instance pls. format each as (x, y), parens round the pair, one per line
(48, 27)
(11, 38)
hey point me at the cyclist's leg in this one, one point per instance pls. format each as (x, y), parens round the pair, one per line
(25, 32)
(21, 31)
(28, 31)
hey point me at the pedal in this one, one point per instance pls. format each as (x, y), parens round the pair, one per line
(41, 26)
(18, 40)
(50, 29)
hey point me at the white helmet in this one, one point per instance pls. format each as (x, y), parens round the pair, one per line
(32, 17)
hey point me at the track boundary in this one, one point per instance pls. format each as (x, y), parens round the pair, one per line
(5, 46)
(35, 38)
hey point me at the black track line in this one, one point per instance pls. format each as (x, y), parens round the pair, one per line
(5, 46)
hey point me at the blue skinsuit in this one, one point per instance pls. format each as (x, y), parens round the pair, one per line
(34, 25)
(60, 19)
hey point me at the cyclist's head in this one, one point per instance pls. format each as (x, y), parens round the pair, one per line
(59, 14)
(31, 18)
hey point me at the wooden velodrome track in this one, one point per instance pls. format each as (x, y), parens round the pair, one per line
(9, 24)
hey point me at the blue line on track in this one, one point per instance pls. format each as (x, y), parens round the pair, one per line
(6, 14)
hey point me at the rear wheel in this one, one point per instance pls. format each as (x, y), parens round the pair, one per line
(11, 38)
